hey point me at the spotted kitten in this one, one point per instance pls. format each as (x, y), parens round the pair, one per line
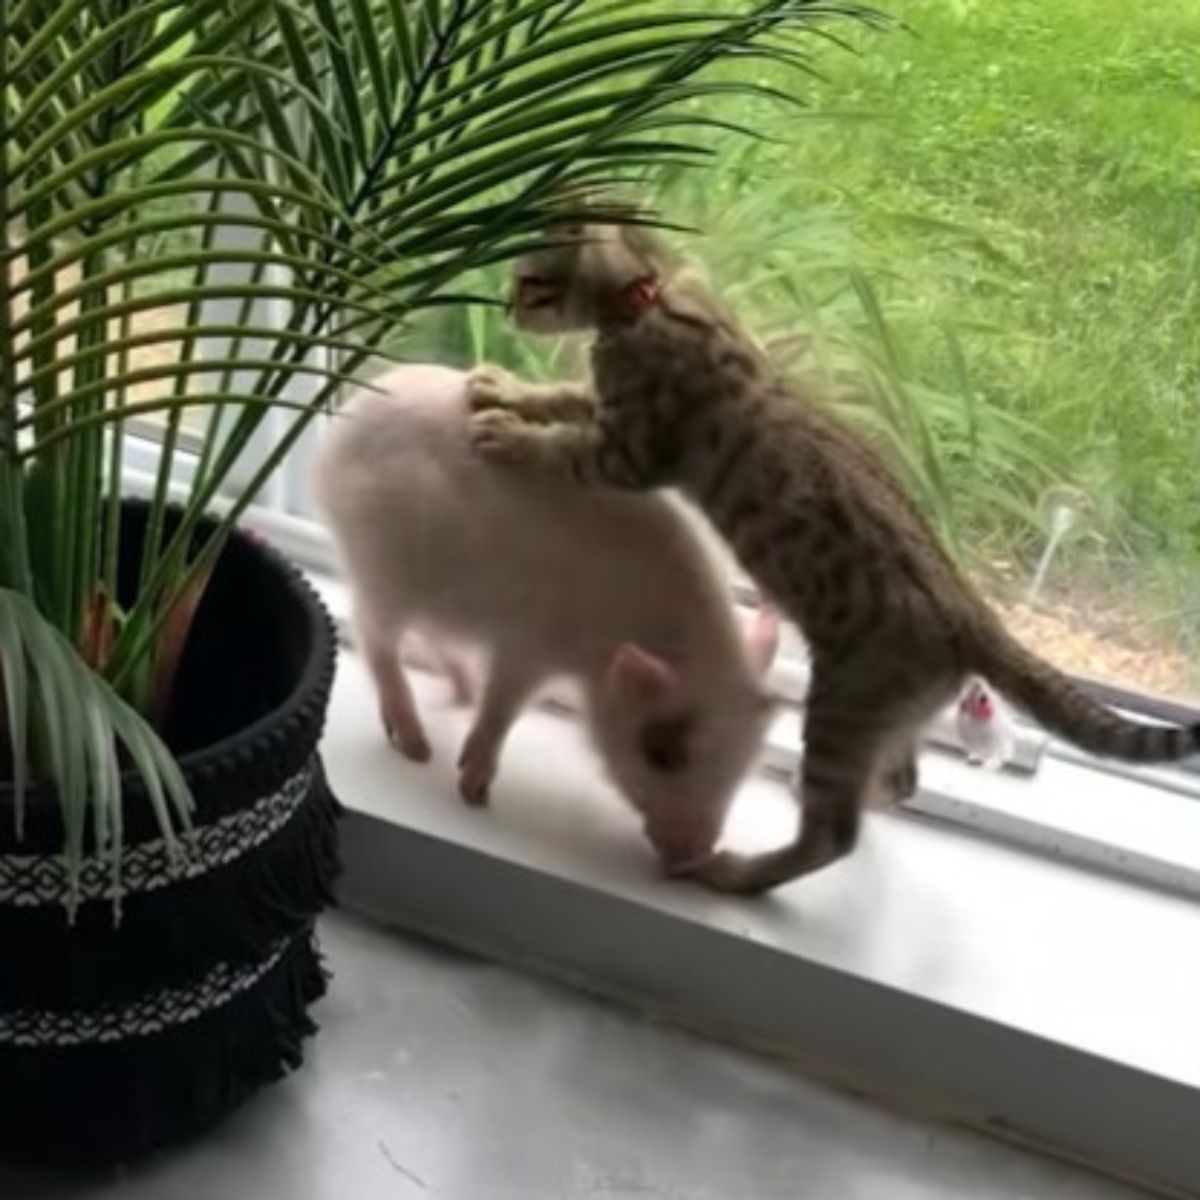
(681, 396)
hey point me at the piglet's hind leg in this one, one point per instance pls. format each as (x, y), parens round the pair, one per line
(507, 689)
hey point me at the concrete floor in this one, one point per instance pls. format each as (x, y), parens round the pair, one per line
(439, 1076)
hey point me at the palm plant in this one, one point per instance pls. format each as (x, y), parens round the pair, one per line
(212, 213)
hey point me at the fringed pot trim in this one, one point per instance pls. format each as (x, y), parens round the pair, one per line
(149, 1014)
(27, 881)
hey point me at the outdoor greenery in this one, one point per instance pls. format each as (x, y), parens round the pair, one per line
(1063, 141)
(267, 180)
(984, 237)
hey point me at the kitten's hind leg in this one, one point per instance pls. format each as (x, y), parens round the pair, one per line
(397, 708)
(841, 759)
(857, 743)
(835, 781)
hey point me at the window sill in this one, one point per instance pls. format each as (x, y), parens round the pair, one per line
(986, 985)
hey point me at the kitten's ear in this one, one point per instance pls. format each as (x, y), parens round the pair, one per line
(637, 673)
(762, 642)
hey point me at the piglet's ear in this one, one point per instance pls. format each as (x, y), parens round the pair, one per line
(762, 642)
(638, 674)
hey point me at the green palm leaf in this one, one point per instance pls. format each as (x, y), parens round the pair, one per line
(81, 722)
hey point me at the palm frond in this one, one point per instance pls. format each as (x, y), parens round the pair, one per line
(82, 722)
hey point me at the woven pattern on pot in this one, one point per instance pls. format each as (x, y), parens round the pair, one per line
(152, 1013)
(29, 880)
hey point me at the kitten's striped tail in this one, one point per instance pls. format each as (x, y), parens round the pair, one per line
(1065, 709)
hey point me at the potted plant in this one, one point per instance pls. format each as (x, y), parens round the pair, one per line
(211, 217)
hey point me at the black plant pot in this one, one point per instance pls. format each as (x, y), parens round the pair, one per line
(119, 1038)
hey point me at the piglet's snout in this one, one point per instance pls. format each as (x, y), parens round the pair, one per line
(682, 844)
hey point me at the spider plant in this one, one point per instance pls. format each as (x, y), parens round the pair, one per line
(212, 214)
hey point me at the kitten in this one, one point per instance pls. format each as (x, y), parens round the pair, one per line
(610, 588)
(681, 396)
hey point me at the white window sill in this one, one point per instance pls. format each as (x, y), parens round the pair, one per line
(985, 983)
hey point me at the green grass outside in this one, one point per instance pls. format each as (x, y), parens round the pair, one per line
(1030, 175)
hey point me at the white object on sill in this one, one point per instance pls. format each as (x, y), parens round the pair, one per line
(985, 728)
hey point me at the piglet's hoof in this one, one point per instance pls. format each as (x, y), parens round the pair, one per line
(474, 778)
(408, 739)
(415, 749)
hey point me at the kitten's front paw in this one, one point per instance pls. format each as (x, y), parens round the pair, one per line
(490, 387)
(501, 436)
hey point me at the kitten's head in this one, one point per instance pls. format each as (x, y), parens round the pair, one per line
(678, 750)
(584, 276)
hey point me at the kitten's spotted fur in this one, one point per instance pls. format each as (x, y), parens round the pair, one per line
(681, 396)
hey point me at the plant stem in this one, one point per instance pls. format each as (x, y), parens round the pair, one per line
(112, 534)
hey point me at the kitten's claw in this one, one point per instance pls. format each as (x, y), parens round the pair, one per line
(491, 387)
(500, 435)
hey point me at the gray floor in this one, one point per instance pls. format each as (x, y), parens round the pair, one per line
(438, 1076)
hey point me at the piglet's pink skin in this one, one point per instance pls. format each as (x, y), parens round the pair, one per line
(614, 590)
